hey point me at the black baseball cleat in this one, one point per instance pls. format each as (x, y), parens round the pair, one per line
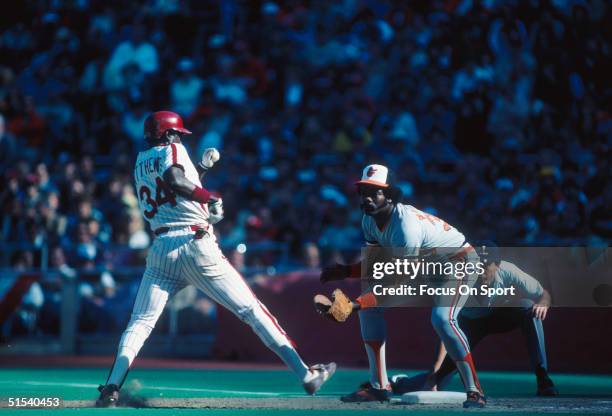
(546, 388)
(367, 393)
(474, 400)
(109, 396)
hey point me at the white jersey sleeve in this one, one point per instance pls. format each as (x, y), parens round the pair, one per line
(159, 205)
(510, 275)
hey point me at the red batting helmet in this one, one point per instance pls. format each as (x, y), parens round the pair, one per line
(159, 122)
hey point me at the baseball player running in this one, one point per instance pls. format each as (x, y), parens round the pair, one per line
(185, 251)
(388, 223)
(497, 315)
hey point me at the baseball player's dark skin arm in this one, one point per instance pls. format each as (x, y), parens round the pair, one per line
(201, 171)
(175, 177)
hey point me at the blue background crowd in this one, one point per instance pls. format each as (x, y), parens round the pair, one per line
(495, 116)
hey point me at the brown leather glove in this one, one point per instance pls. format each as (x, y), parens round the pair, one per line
(338, 309)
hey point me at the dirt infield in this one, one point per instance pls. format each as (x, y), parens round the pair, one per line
(501, 405)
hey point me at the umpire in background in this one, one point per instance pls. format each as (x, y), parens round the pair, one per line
(493, 317)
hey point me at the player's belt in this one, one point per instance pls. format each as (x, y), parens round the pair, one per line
(161, 230)
(199, 229)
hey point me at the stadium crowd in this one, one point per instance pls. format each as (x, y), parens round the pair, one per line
(494, 114)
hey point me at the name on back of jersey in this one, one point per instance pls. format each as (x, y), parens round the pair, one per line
(147, 167)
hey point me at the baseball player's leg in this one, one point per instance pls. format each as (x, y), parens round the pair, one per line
(153, 293)
(374, 334)
(207, 269)
(444, 321)
(475, 330)
(160, 281)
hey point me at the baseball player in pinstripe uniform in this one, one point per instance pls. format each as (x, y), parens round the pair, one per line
(185, 251)
(497, 314)
(388, 223)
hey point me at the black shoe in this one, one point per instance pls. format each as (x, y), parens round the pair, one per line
(546, 387)
(109, 396)
(367, 393)
(474, 400)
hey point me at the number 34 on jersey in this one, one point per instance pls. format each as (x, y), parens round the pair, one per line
(163, 195)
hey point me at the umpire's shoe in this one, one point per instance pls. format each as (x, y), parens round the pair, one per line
(321, 373)
(546, 387)
(367, 393)
(109, 396)
(475, 399)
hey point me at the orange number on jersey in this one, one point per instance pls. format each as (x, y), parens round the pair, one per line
(432, 219)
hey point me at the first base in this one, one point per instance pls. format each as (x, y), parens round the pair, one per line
(433, 397)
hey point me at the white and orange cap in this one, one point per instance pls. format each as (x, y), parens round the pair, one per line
(377, 175)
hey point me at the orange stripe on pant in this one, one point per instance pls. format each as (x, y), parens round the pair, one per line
(470, 361)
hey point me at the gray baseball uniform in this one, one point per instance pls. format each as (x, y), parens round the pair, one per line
(413, 229)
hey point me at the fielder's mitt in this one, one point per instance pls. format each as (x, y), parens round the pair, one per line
(338, 309)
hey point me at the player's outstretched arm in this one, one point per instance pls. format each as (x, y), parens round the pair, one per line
(176, 179)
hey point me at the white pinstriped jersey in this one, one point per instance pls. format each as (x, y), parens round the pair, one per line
(158, 203)
(411, 228)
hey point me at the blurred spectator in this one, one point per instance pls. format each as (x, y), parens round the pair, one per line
(459, 98)
(24, 320)
(54, 280)
(312, 258)
(8, 146)
(135, 50)
(186, 88)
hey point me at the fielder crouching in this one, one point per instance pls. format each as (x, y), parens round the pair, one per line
(391, 224)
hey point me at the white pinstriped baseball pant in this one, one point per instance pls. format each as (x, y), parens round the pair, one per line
(177, 259)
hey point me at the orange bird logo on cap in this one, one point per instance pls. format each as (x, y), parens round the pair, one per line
(371, 171)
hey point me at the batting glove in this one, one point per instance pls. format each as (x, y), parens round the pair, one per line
(215, 211)
(209, 158)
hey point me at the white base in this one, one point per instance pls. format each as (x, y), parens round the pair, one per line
(433, 397)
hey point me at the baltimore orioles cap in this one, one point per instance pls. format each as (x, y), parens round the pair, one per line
(377, 175)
